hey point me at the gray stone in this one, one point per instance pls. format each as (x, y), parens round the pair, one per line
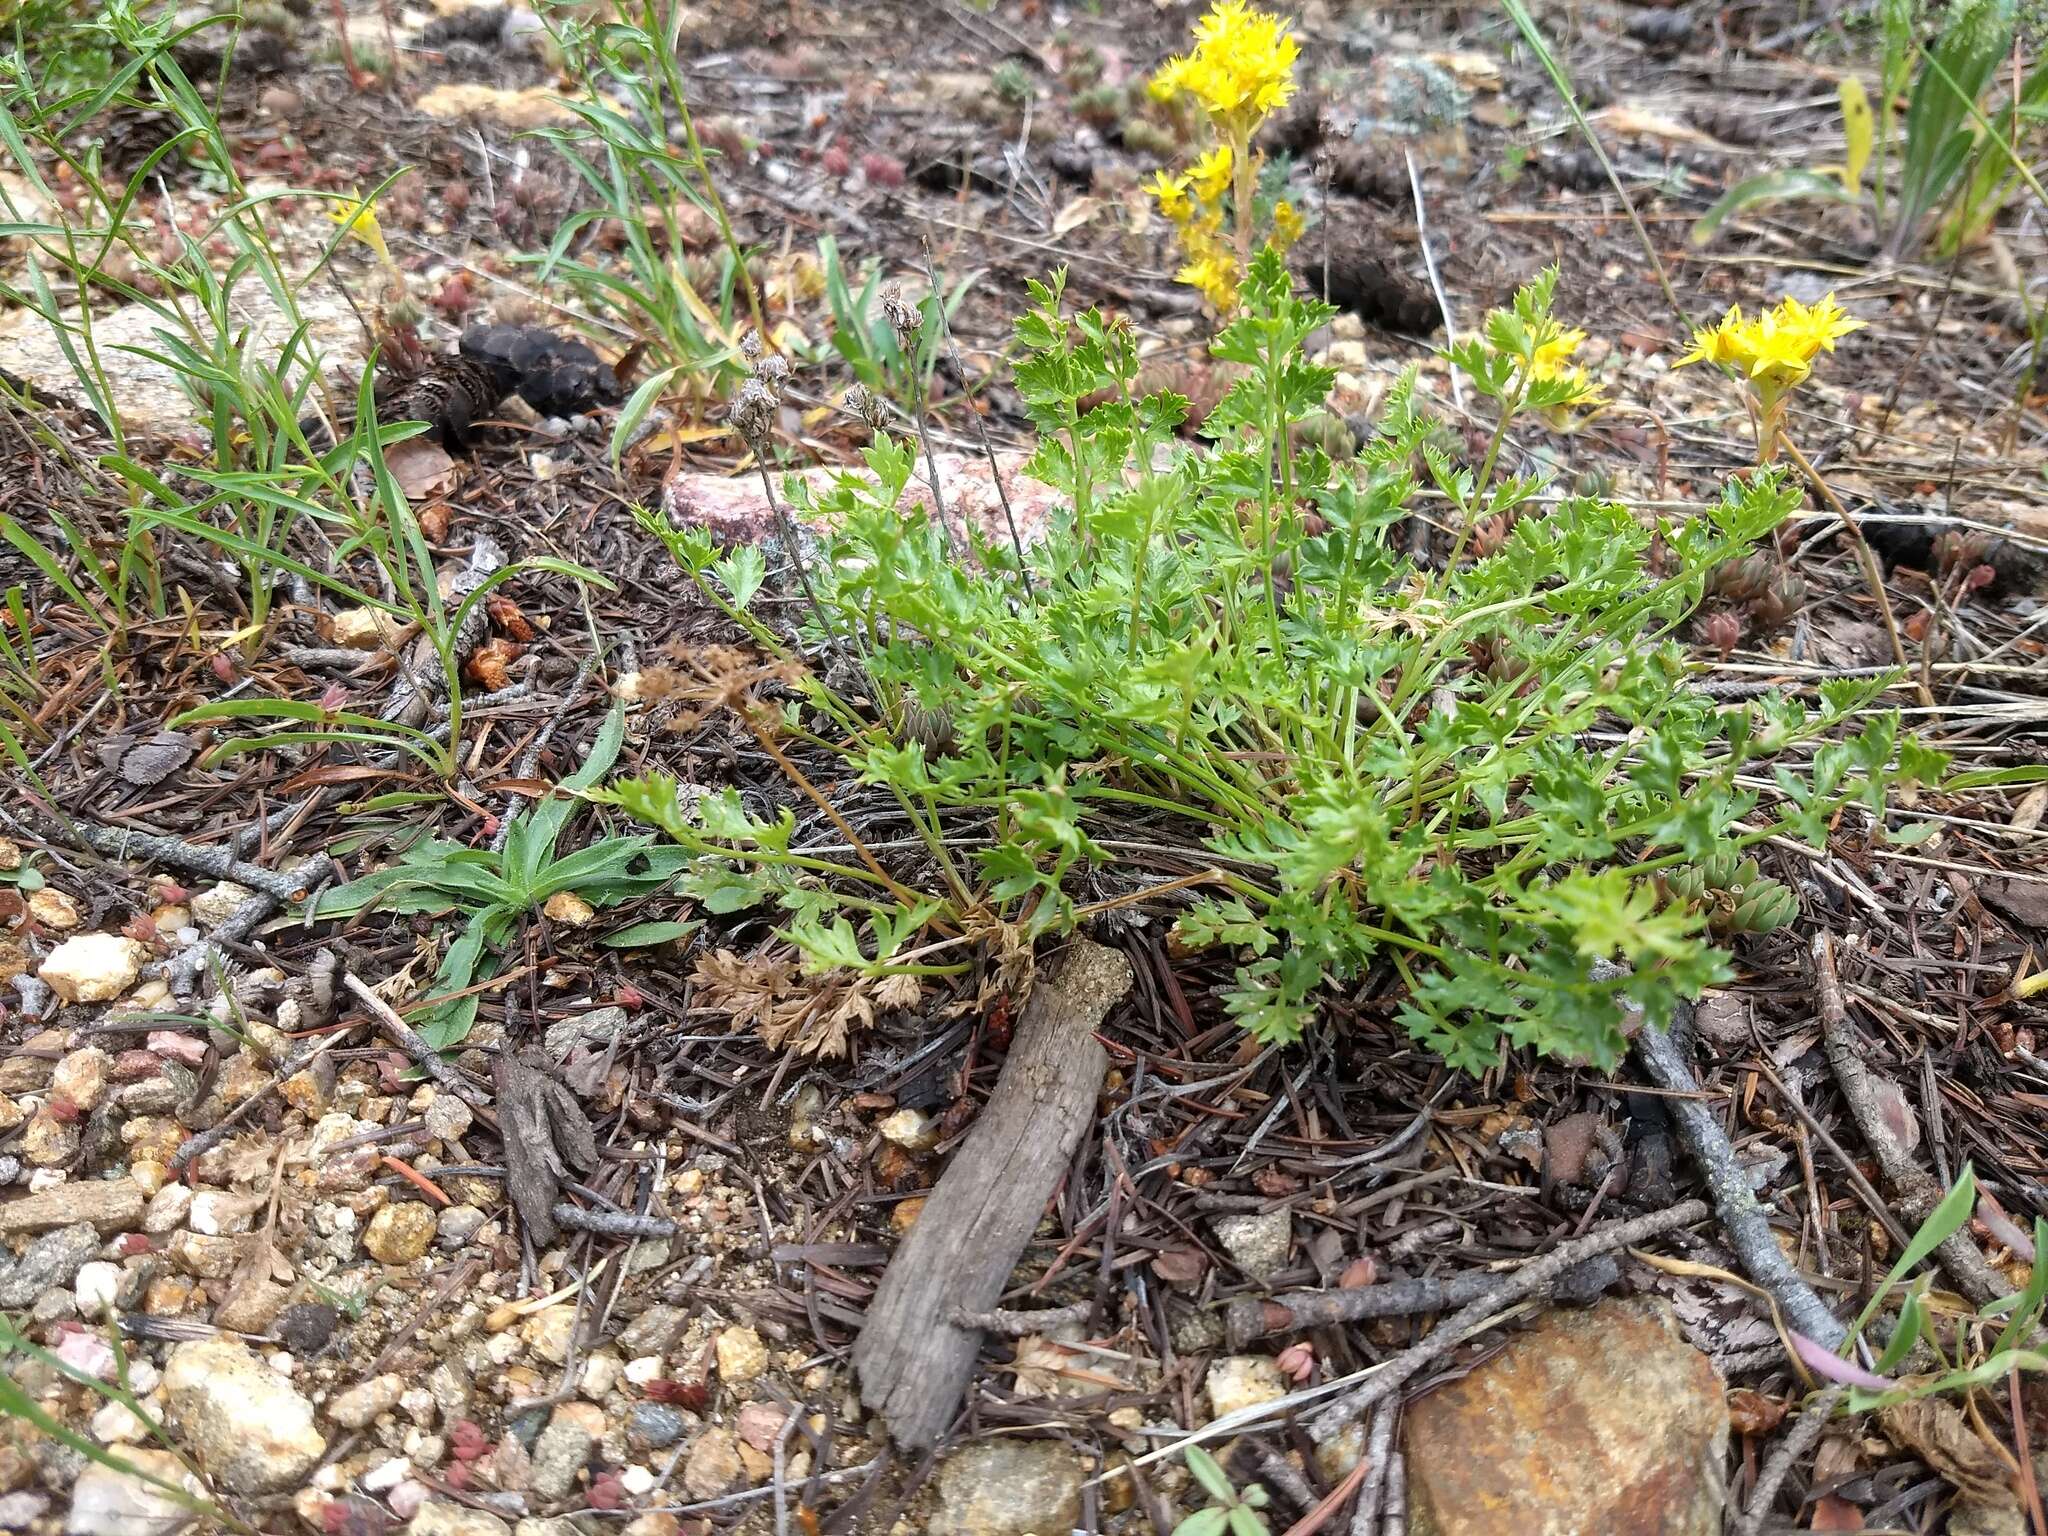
(248, 1427)
(563, 1448)
(452, 1391)
(596, 1026)
(656, 1426)
(105, 1502)
(437, 1517)
(1257, 1244)
(1009, 1488)
(54, 1259)
(1601, 1419)
(107, 1206)
(457, 1224)
(653, 1332)
(20, 1511)
(148, 392)
(359, 1406)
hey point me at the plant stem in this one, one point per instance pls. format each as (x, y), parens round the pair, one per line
(702, 165)
(1865, 558)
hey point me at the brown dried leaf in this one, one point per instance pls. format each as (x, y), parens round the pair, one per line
(1752, 1413)
(1939, 1435)
(487, 664)
(1183, 1267)
(747, 989)
(507, 615)
(421, 467)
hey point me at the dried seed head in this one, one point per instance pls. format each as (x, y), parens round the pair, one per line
(903, 318)
(867, 405)
(753, 412)
(750, 348)
(773, 372)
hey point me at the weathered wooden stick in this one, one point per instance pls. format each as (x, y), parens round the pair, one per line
(913, 1359)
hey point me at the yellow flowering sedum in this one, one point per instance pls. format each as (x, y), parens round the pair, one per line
(1241, 69)
(358, 221)
(1775, 351)
(1172, 194)
(1210, 175)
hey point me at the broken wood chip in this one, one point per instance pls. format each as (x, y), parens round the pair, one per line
(547, 1137)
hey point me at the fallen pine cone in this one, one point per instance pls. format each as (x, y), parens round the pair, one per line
(1355, 169)
(1377, 293)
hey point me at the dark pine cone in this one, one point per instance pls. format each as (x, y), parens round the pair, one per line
(1377, 293)
(556, 375)
(450, 397)
(1363, 171)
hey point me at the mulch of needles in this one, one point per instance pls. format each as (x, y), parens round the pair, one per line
(1862, 1058)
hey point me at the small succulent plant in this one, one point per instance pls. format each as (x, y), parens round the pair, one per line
(1736, 895)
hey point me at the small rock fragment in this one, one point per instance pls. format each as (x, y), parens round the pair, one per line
(93, 967)
(81, 1078)
(216, 904)
(437, 1517)
(1243, 1381)
(54, 1259)
(167, 1209)
(563, 1448)
(655, 1426)
(365, 629)
(1602, 1419)
(568, 909)
(549, 1331)
(359, 1406)
(655, 1331)
(106, 1502)
(911, 1129)
(55, 910)
(1258, 1244)
(714, 1464)
(741, 1355)
(305, 1327)
(246, 1425)
(1007, 1487)
(399, 1234)
(108, 1206)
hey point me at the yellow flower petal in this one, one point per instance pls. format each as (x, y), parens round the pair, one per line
(358, 219)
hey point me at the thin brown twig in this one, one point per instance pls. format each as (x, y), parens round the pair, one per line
(409, 1040)
(1797, 1442)
(1532, 1277)
(1913, 1186)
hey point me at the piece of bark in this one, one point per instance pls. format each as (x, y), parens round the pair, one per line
(547, 1136)
(913, 1359)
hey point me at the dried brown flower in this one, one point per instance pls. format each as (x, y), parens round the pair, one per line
(903, 317)
(753, 412)
(867, 405)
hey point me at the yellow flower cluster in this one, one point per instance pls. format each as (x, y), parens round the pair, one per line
(1241, 68)
(1550, 362)
(1775, 351)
